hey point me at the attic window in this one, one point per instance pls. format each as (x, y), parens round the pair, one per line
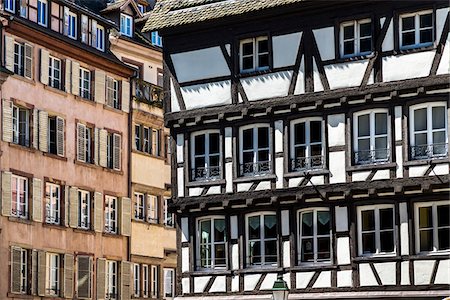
(126, 25)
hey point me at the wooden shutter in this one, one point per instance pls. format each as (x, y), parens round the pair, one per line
(84, 274)
(34, 271)
(75, 78)
(94, 33)
(101, 278)
(81, 142)
(60, 136)
(84, 28)
(44, 66)
(125, 99)
(99, 84)
(43, 131)
(68, 276)
(28, 61)
(37, 200)
(125, 214)
(7, 121)
(125, 276)
(117, 147)
(73, 207)
(98, 212)
(16, 258)
(42, 265)
(103, 147)
(66, 20)
(6, 194)
(96, 146)
(67, 77)
(9, 53)
(35, 128)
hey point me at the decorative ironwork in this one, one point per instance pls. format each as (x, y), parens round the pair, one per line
(258, 168)
(112, 296)
(148, 93)
(51, 219)
(429, 151)
(307, 163)
(19, 213)
(365, 157)
(85, 95)
(206, 173)
(110, 229)
(85, 225)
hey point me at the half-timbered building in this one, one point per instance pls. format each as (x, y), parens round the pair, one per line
(310, 140)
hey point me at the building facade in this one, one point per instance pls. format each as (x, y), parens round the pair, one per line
(310, 140)
(65, 219)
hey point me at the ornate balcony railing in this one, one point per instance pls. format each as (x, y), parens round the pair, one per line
(429, 151)
(51, 219)
(110, 229)
(19, 213)
(307, 163)
(366, 157)
(148, 93)
(205, 173)
(258, 168)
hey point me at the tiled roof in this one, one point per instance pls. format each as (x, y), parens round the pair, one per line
(172, 13)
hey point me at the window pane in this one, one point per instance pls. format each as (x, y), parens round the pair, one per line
(200, 162)
(380, 123)
(214, 143)
(408, 38)
(214, 161)
(247, 139)
(420, 119)
(316, 131)
(248, 157)
(255, 252)
(270, 250)
(316, 150)
(200, 144)
(219, 230)
(270, 226)
(443, 238)
(368, 220)
(426, 240)
(438, 119)
(263, 60)
(323, 248)
(381, 148)
(365, 29)
(263, 155)
(420, 139)
(363, 125)
(247, 48)
(349, 32)
(365, 45)
(368, 242)
(247, 63)
(307, 224)
(219, 252)
(363, 145)
(349, 47)
(426, 36)
(386, 218)
(439, 137)
(300, 151)
(254, 227)
(443, 212)
(299, 131)
(425, 217)
(323, 222)
(408, 23)
(205, 231)
(263, 137)
(307, 250)
(426, 21)
(387, 241)
(263, 46)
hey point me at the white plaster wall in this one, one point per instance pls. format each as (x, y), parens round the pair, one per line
(279, 172)
(360, 176)
(398, 123)
(185, 259)
(285, 48)
(388, 42)
(386, 272)
(286, 254)
(285, 222)
(325, 42)
(267, 85)
(381, 174)
(366, 276)
(404, 230)
(267, 283)
(337, 167)
(417, 171)
(208, 94)
(287, 278)
(399, 161)
(180, 147)
(184, 230)
(441, 169)
(235, 283)
(441, 15)
(303, 278)
(324, 280)
(229, 177)
(346, 74)
(423, 270)
(180, 181)
(294, 182)
(234, 227)
(219, 285)
(278, 135)
(344, 278)
(406, 66)
(343, 250)
(228, 142)
(194, 192)
(263, 185)
(443, 273)
(404, 273)
(243, 187)
(300, 83)
(318, 87)
(234, 256)
(174, 106)
(316, 180)
(250, 281)
(200, 283)
(336, 130)
(341, 218)
(185, 286)
(228, 48)
(213, 190)
(190, 65)
(444, 65)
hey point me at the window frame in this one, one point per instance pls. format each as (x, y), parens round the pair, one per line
(114, 102)
(140, 206)
(168, 215)
(100, 38)
(136, 280)
(40, 5)
(255, 149)
(154, 288)
(52, 214)
(262, 239)
(112, 279)
(7, 7)
(19, 213)
(156, 39)
(53, 274)
(111, 223)
(16, 125)
(417, 29)
(127, 31)
(172, 286)
(207, 155)
(20, 54)
(356, 37)
(255, 54)
(152, 208)
(52, 70)
(212, 244)
(70, 28)
(83, 92)
(145, 280)
(81, 214)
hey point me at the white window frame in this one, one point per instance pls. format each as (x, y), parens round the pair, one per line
(53, 275)
(139, 206)
(84, 198)
(53, 206)
(111, 214)
(23, 214)
(315, 236)
(255, 54)
(155, 281)
(152, 209)
(212, 244)
(372, 134)
(82, 80)
(156, 142)
(356, 37)
(433, 205)
(156, 39)
(136, 280)
(172, 285)
(10, 5)
(416, 29)
(42, 12)
(72, 30)
(112, 279)
(376, 209)
(52, 70)
(261, 240)
(429, 106)
(145, 281)
(16, 125)
(255, 149)
(141, 8)
(207, 165)
(100, 40)
(20, 59)
(168, 215)
(114, 92)
(126, 29)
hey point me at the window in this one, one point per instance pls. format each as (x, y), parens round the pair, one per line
(211, 235)
(205, 155)
(54, 73)
(432, 226)
(306, 144)
(136, 280)
(356, 38)
(72, 26)
(314, 236)
(416, 29)
(428, 123)
(371, 141)
(100, 40)
(126, 25)
(21, 126)
(141, 8)
(24, 9)
(42, 12)
(19, 270)
(84, 277)
(254, 54)
(139, 213)
(160, 78)
(112, 280)
(53, 274)
(52, 203)
(376, 230)
(145, 281)
(84, 202)
(56, 135)
(114, 143)
(19, 59)
(19, 197)
(147, 140)
(155, 282)
(112, 92)
(85, 83)
(152, 209)
(110, 214)
(261, 233)
(156, 142)
(10, 5)
(255, 150)
(169, 288)
(156, 39)
(84, 143)
(168, 216)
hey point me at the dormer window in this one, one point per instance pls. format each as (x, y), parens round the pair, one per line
(416, 29)
(100, 41)
(156, 39)
(72, 25)
(254, 54)
(42, 12)
(126, 25)
(141, 8)
(356, 38)
(10, 5)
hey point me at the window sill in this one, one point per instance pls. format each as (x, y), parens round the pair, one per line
(20, 220)
(378, 257)
(19, 296)
(55, 90)
(254, 178)
(353, 58)
(85, 231)
(301, 267)
(54, 226)
(112, 235)
(375, 166)
(211, 271)
(430, 255)
(260, 269)
(113, 171)
(51, 155)
(145, 222)
(421, 162)
(253, 73)
(17, 146)
(306, 172)
(86, 164)
(85, 100)
(206, 182)
(24, 79)
(148, 154)
(416, 48)
(117, 110)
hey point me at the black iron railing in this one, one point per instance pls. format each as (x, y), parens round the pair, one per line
(257, 168)
(19, 213)
(307, 163)
(429, 151)
(365, 157)
(205, 173)
(148, 93)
